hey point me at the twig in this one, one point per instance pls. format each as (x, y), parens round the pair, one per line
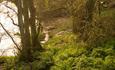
(11, 9)
(2, 52)
(11, 37)
(12, 20)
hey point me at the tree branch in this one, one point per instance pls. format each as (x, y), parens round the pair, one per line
(12, 20)
(2, 52)
(11, 37)
(10, 8)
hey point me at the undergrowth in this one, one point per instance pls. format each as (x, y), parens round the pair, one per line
(62, 53)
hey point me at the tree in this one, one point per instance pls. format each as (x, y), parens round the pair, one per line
(28, 29)
(83, 12)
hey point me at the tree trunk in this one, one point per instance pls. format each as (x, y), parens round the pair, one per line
(28, 29)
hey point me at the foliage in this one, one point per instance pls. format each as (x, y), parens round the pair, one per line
(67, 55)
(6, 62)
(66, 51)
(93, 24)
(78, 57)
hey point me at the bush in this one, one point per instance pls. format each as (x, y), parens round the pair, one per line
(72, 56)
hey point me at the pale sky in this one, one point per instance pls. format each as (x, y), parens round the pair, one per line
(6, 42)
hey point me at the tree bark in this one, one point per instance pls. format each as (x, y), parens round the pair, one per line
(28, 29)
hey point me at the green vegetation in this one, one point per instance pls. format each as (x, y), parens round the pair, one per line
(62, 53)
(82, 39)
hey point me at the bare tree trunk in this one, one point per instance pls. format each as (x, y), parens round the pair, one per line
(28, 29)
(34, 30)
(82, 18)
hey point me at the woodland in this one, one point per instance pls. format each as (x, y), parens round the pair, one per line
(62, 35)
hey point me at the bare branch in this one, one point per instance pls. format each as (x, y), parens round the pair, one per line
(2, 52)
(1, 36)
(10, 8)
(12, 20)
(11, 37)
